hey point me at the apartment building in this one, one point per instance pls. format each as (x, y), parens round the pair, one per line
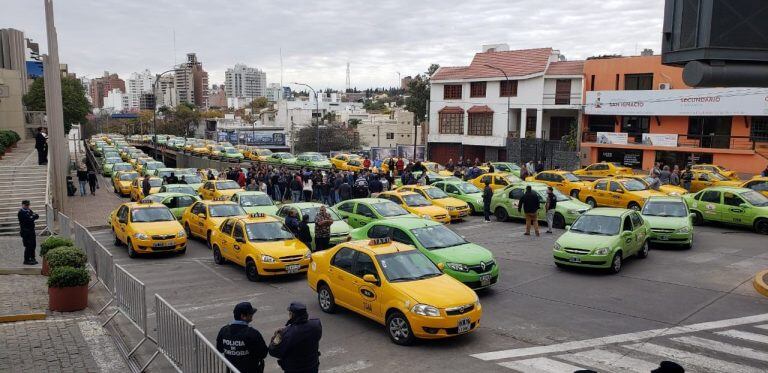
(191, 82)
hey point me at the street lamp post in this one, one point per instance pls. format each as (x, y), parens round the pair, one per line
(317, 108)
(508, 94)
(154, 111)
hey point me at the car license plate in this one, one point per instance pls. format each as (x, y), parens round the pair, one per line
(485, 280)
(162, 244)
(292, 268)
(663, 237)
(463, 213)
(574, 259)
(464, 325)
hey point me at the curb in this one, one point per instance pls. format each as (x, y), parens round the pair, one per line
(20, 270)
(14, 317)
(760, 284)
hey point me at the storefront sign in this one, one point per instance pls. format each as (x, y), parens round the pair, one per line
(265, 138)
(682, 102)
(612, 138)
(381, 153)
(406, 151)
(627, 157)
(660, 139)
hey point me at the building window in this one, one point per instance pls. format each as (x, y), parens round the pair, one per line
(601, 123)
(592, 83)
(390, 135)
(635, 127)
(563, 92)
(480, 124)
(636, 82)
(759, 129)
(477, 89)
(452, 92)
(451, 122)
(508, 88)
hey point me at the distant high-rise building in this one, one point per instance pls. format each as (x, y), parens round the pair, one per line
(13, 53)
(275, 92)
(245, 82)
(165, 95)
(100, 87)
(147, 101)
(191, 82)
(217, 98)
(138, 84)
(405, 82)
(115, 101)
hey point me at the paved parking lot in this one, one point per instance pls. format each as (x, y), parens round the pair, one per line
(534, 304)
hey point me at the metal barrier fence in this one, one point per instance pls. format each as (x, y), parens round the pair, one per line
(105, 268)
(65, 226)
(131, 299)
(50, 216)
(175, 337)
(209, 360)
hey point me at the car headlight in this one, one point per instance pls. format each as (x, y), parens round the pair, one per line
(557, 247)
(683, 230)
(140, 236)
(425, 310)
(181, 234)
(307, 255)
(602, 251)
(457, 267)
(674, 194)
(573, 212)
(267, 259)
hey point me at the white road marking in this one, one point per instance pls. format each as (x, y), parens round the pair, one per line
(352, 367)
(764, 327)
(540, 365)
(101, 346)
(609, 361)
(754, 337)
(685, 358)
(723, 347)
(219, 275)
(620, 338)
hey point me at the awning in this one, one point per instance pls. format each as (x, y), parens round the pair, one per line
(477, 109)
(451, 110)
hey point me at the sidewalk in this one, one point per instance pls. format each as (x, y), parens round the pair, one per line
(92, 211)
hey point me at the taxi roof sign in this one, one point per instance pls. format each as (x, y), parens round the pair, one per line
(145, 200)
(379, 241)
(256, 215)
(222, 198)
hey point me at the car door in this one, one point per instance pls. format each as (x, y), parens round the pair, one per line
(615, 195)
(628, 236)
(710, 205)
(378, 231)
(225, 241)
(499, 182)
(363, 215)
(639, 228)
(731, 210)
(558, 182)
(200, 213)
(452, 190)
(591, 170)
(346, 211)
(600, 193)
(367, 297)
(181, 203)
(514, 200)
(121, 220)
(237, 242)
(341, 279)
(701, 181)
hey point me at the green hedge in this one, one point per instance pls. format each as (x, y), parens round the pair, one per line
(66, 257)
(65, 277)
(8, 138)
(53, 242)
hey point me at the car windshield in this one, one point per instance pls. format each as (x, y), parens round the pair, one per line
(122, 167)
(315, 157)
(717, 176)
(633, 185)
(468, 188)
(559, 196)
(312, 213)
(229, 209)
(154, 166)
(570, 177)
(389, 209)
(231, 150)
(597, 224)
(269, 231)
(263, 152)
(248, 200)
(227, 185)
(407, 266)
(128, 177)
(154, 183)
(512, 179)
(114, 160)
(437, 237)
(191, 179)
(755, 198)
(665, 209)
(415, 200)
(151, 214)
(181, 189)
(435, 193)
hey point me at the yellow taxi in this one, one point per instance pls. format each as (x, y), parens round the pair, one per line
(718, 169)
(668, 189)
(564, 181)
(147, 227)
(385, 164)
(497, 180)
(603, 169)
(261, 244)
(416, 204)
(259, 154)
(395, 285)
(617, 192)
(758, 184)
(704, 179)
(457, 208)
(122, 180)
(137, 192)
(436, 168)
(213, 189)
(200, 148)
(339, 161)
(203, 217)
(136, 162)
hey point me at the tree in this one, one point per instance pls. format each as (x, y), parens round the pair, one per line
(333, 137)
(74, 103)
(354, 122)
(432, 69)
(259, 103)
(418, 88)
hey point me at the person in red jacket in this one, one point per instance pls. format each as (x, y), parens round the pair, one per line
(400, 165)
(241, 178)
(366, 163)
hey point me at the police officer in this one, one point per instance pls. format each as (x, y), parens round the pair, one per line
(487, 197)
(242, 345)
(27, 219)
(296, 346)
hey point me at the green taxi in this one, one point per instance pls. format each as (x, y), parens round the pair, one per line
(255, 202)
(669, 221)
(109, 163)
(504, 204)
(178, 188)
(730, 205)
(176, 202)
(150, 168)
(603, 238)
(281, 158)
(231, 153)
(192, 179)
(361, 211)
(339, 228)
(464, 191)
(506, 167)
(469, 263)
(109, 169)
(313, 159)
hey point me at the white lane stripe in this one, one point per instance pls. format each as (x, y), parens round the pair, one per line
(620, 338)
(723, 347)
(101, 346)
(753, 337)
(609, 361)
(685, 358)
(764, 327)
(540, 365)
(352, 367)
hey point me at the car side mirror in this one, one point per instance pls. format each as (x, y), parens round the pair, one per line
(744, 205)
(369, 278)
(441, 266)
(201, 216)
(240, 240)
(567, 227)
(626, 233)
(692, 216)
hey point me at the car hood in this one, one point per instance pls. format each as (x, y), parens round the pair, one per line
(667, 222)
(268, 209)
(429, 210)
(278, 249)
(468, 253)
(648, 193)
(574, 204)
(578, 240)
(729, 183)
(441, 291)
(450, 202)
(164, 227)
(673, 190)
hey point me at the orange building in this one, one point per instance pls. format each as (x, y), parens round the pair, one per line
(638, 111)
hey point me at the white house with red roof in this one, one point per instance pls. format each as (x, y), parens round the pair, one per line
(502, 94)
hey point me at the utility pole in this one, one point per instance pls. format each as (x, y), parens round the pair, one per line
(509, 94)
(317, 107)
(55, 112)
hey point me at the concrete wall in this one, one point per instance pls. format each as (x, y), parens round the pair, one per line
(11, 109)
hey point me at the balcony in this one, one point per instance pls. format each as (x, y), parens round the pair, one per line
(701, 142)
(566, 99)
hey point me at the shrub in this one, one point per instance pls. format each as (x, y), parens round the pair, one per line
(65, 277)
(6, 139)
(2, 149)
(53, 242)
(66, 257)
(16, 137)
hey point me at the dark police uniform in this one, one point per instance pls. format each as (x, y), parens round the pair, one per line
(297, 346)
(243, 346)
(27, 230)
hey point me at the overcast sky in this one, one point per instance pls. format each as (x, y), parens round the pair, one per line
(318, 38)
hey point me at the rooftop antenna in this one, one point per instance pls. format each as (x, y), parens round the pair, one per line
(174, 47)
(349, 82)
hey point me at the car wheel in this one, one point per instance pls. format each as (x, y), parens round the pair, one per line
(472, 209)
(591, 202)
(575, 193)
(761, 226)
(251, 271)
(182, 251)
(399, 329)
(208, 239)
(501, 214)
(217, 257)
(325, 299)
(633, 206)
(643, 253)
(187, 230)
(117, 240)
(558, 221)
(616, 263)
(131, 252)
(698, 219)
